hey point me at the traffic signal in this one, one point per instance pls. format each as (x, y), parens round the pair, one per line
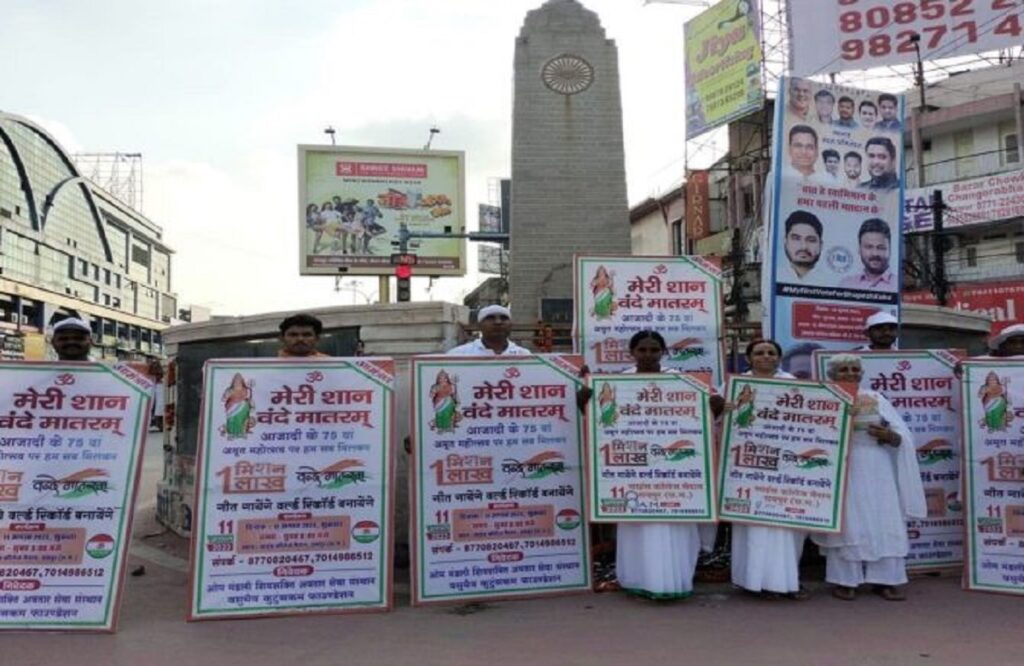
(403, 275)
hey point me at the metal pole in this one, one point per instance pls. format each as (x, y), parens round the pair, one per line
(940, 286)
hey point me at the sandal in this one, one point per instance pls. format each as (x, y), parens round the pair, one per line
(891, 593)
(844, 593)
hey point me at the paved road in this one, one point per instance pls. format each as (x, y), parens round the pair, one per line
(939, 624)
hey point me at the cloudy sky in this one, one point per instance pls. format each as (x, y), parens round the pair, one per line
(217, 93)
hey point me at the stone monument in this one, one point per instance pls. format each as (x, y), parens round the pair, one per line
(568, 172)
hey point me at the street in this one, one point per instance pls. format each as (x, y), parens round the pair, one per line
(939, 624)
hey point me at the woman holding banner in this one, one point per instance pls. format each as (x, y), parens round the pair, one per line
(655, 560)
(766, 560)
(883, 491)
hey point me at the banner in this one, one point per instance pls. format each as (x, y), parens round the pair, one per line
(293, 495)
(784, 450)
(992, 392)
(698, 213)
(834, 252)
(497, 482)
(975, 200)
(650, 449)
(679, 297)
(723, 65)
(354, 201)
(828, 36)
(489, 219)
(1003, 301)
(921, 385)
(71, 439)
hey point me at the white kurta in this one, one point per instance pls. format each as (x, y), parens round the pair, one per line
(767, 559)
(884, 489)
(656, 559)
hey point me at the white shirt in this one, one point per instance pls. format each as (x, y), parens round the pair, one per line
(477, 348)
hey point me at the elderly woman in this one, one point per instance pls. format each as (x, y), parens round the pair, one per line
(883, 490)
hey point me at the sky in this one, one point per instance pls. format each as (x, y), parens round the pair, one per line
(216, 94)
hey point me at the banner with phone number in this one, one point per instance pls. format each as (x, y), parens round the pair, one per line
(828, 36)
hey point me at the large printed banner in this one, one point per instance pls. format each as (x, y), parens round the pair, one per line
(785, 445)
(975, 200)
(921, 385)
(293, 506)
(355, 201)
(993, 425)
(497, 501)
(650, 449)
(836, 35)
(723, 65)
(834, 236)
(680, 297)
(71, 438)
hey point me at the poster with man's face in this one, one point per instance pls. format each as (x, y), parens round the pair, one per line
(836, 212)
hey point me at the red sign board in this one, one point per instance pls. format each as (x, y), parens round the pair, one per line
(1003, 301)
(698, 216)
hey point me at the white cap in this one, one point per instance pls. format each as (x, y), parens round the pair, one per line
(72, 323)
(1004, 335)
(492, 310)
(880, 318)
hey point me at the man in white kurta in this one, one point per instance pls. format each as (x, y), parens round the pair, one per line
(495, 327)
(883, 491)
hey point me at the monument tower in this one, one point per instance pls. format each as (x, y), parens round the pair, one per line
(568, 172)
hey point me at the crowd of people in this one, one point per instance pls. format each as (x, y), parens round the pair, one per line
(344, 226)
(658, 560)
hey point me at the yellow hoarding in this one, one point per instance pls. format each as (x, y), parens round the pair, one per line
(723, 65)
(353, 202)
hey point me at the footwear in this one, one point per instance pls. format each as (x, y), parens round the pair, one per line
(844, 593)
(891, 593)
(800, 595)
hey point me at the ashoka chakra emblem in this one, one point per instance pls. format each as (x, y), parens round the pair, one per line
(567, 74)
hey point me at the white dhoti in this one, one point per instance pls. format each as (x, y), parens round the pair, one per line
(766, 559)
(657, 559)
(883, 490)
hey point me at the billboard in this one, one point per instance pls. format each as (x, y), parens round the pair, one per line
(834, 246)
(490, 219)
(723, 65)
(492, 259)
(836, 35)
(698, 214)
(974, 200)
(354, 200)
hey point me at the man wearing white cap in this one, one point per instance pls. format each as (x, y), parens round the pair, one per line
(881, 329)
(72, 339)
(495, 326)
(1008, 343)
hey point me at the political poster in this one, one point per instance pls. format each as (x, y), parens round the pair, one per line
(922, 387)
(827, 36)
(354, 203)
(650, 449)
(834, 248)
(992, 394)
(294, 488)
(497, 480)
(71, 439)
(723, 65)
(679, 297)
(785, 445)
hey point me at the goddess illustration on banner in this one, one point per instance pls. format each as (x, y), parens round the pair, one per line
(745, 406)
(994, 399)
(238, 407)
(603, 288)
(608, 409)
(445, 398)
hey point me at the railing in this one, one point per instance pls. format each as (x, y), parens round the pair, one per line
(964, 168)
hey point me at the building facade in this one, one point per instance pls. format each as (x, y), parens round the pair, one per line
(965, 143)
(68, 248)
